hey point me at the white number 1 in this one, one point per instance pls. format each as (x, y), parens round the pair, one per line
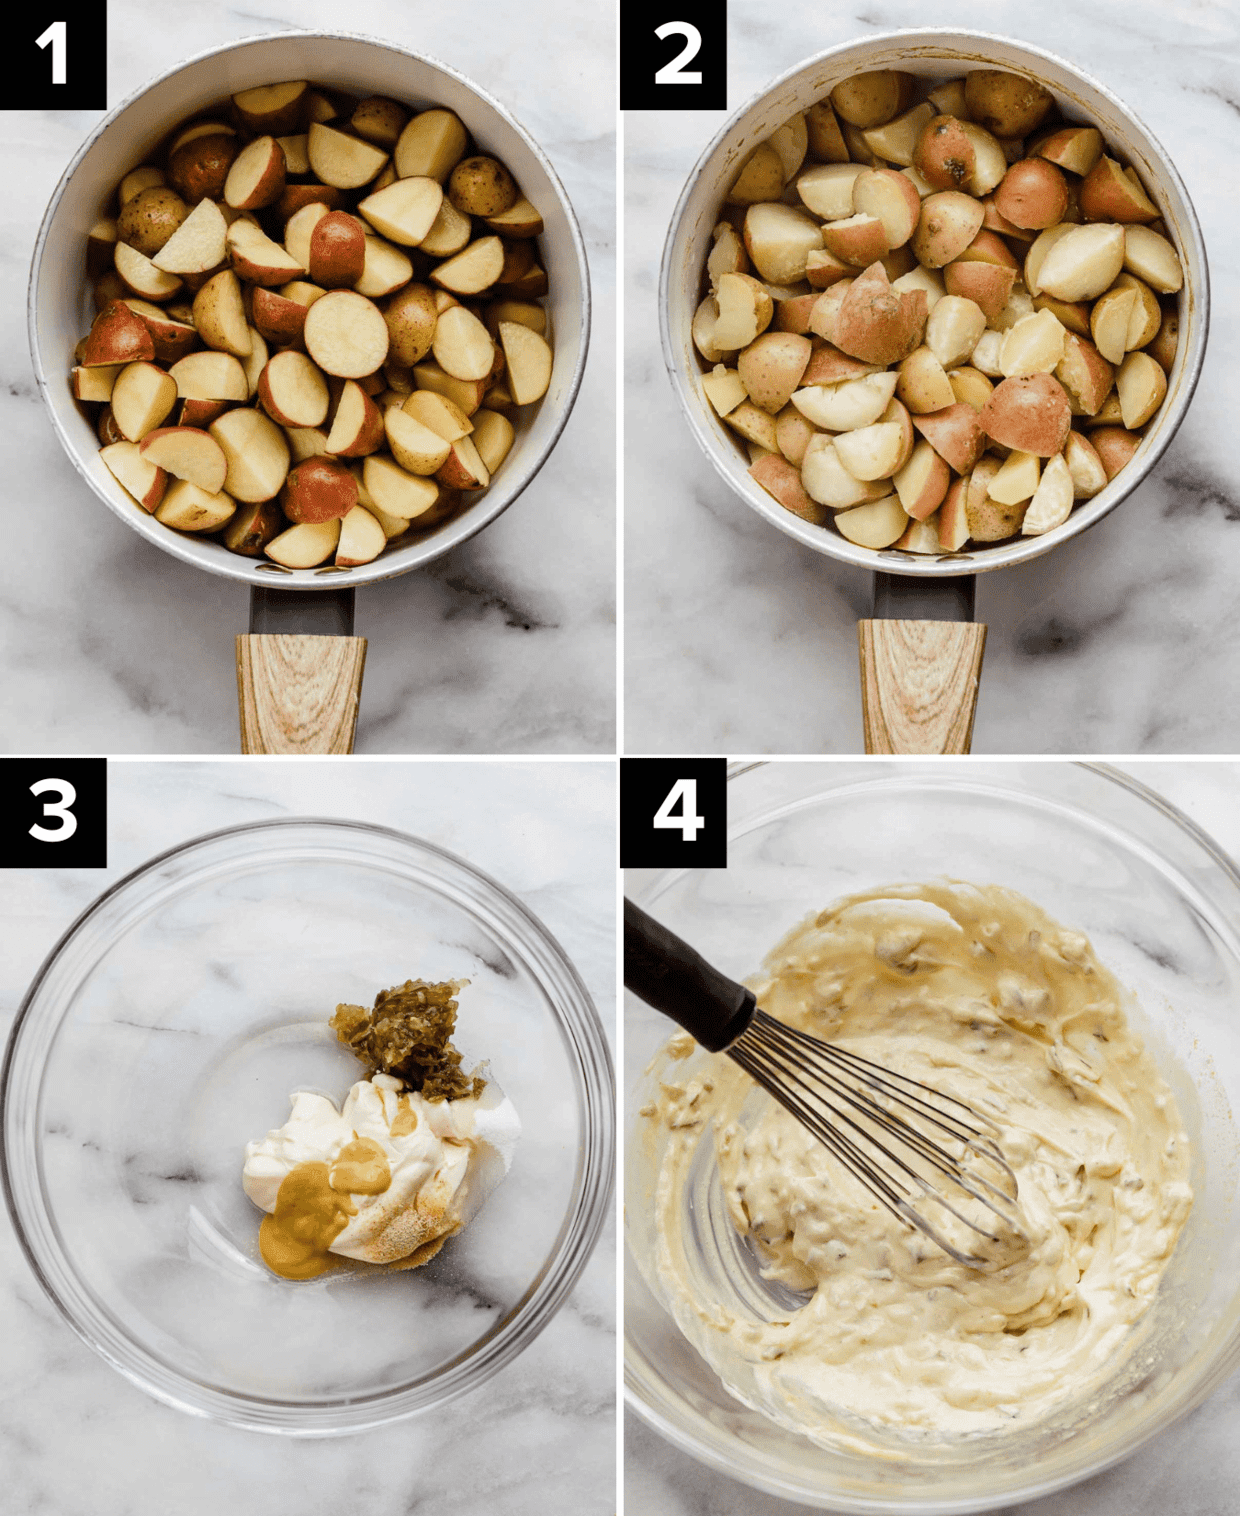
(688, 823)
(55, 34)
(57, 808)
(671, 73)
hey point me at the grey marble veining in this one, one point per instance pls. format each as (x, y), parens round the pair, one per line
(1191, 1469)
(738, 639)
(76, 1438)
(505, 645)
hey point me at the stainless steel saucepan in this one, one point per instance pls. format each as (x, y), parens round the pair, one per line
(921, 652)
(300, 669)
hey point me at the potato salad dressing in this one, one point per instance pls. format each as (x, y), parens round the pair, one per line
(977, 993)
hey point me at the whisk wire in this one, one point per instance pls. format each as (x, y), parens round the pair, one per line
(811, 1079)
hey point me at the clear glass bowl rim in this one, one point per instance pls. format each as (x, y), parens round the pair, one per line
(682, 1436)
(584, 1037)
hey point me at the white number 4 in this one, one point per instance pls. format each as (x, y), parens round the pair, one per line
(673, 72)
(55, 34)
(688, 823)
(56, 808)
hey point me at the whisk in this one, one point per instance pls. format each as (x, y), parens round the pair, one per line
(911, 1146)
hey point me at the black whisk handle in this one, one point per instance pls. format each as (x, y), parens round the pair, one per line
(668, 974)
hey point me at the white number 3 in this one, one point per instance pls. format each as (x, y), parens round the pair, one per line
(57, 808)
(688, 823)
(671, 73)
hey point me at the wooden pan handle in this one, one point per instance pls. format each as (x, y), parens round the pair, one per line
(299, 694)
(919, 684)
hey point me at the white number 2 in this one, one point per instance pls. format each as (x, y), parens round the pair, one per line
(671, 73)
(57, 808)
(688, 823)
(55, 34)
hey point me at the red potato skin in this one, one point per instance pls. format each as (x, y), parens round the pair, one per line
(783, 483)
(877, 325)
(294, 196)
(337, 251)
(944, 155)
(277, 318)
(827, 365)
(318, 490)
(118, 336)
(1031, 414)
(1114, 447)
(956, 435)
(1033, 194)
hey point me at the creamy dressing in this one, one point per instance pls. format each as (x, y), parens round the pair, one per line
(387, 1178)
(977, 993)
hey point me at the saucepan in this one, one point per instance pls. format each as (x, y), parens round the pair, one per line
(921, 653)
(299, 692)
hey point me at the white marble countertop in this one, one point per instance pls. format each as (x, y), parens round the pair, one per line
(1193, 1469)
(738, 639)
(538, 1437)
(507, 644)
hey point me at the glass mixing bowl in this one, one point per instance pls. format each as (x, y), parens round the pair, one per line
(168, 1027)
(1098, 851)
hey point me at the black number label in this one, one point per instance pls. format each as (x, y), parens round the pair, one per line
(50, 70)
(673, 72)
(53, 813)
(673, 813)
(696, 36)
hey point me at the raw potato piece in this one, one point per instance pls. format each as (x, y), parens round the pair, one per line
(337, 251)
(361, 540)
(385, 269)
(293, 391)
(219, 315)
(142, 276)
(209, 376)
(827, 481)
(414, 446)
(346, 334)
(1017, 479)
(529, 361)
(274, 108)
(142, 397)
(187, 453)
(922, 483)
(953, 328)
(493, 436)
(306, 545)
(319, 489)
(444, 417)
(430, 146)
(462, 345)
(482, 187)
(357, 428)
(257, 454)
(474, 269)
(136, 474)
(404, 212)
(256, 176)
(118, 335)
(395, 491)
(463, 469)
(256, 258)
(198, 244)
(343, 162)
(190, 509)
(1030, 414)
